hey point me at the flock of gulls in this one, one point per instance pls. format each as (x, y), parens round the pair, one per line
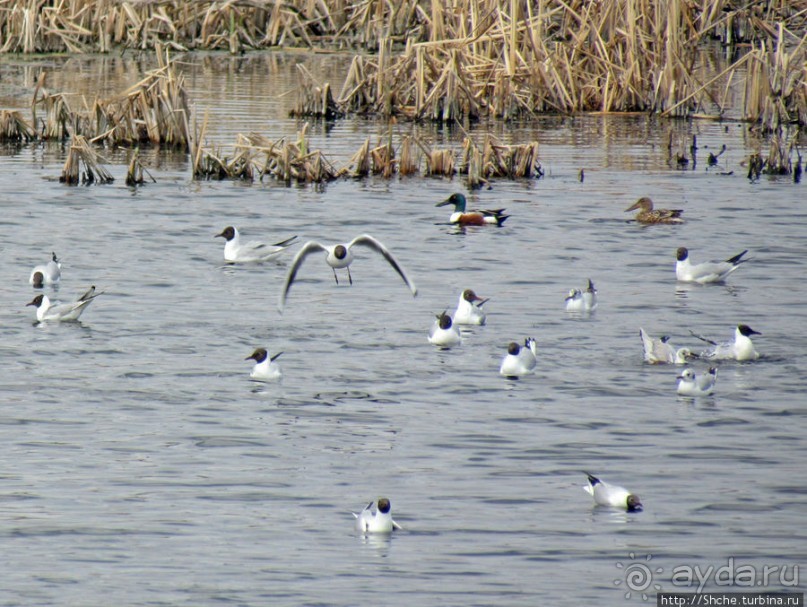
(520, 360)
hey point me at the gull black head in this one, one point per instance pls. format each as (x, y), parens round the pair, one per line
(383, 505)
(681, 254)
(590, 287)
(36, 301)
(513, 348)
(444, 321)
(259, 355)
(340, 251)
(634, 504)
(458, 200)
(227, 233)
(53, 256)
(38, 280)
(747, 331)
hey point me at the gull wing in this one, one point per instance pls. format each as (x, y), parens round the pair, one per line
(368, 241)
(310, 247)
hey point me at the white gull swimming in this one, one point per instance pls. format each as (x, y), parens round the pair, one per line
(46, 274)
(706, 272)
(613, 496)
(691, 383)
(47, 311)
(236, 251)
(378, 521)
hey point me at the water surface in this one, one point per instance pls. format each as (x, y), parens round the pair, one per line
(140, 466)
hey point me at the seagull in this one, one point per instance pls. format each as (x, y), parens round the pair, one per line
(612, 495)
(582, 301)
(265, 369)
(708, 271)
(236, 251)
(46, 274)
(495, 217)
(379, 521)
(469, 309)
(693, 384)
(48, 311)
(647, 214)
(742, 348)
(519, 360)
(444, 334)
(657, 350)
(340, 256)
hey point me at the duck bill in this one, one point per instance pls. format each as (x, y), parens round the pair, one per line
(445, 202)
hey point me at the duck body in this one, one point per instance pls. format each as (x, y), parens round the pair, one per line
(648, 215)
(462, 216)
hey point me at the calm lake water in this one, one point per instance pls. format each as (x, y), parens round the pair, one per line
(141, 466)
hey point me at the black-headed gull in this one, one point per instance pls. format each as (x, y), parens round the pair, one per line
(236, 251)
(582, 300)
(46, 274)
(613, 496)
(697, 384)
(741, 348)
(706, 272)
(54, 311)
(519, 360)
(469, 309)
(265, 368)
(444, 333)
(379, 521)
(658, 350)
(340, 256)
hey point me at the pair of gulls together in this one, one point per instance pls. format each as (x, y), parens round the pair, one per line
(55, 311)
(376, 517)
(337, 256)
(660, 351)
(445, 334)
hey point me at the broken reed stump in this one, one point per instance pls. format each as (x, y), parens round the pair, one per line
(136, 171)
(314, 100)
(82, 154)
(13, 127)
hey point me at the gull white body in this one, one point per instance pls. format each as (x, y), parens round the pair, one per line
(469, 309)
(612, 496)
(740, 349)
(658, 351)
(444, 333)
(340, 256)
(47, 311)
(46, 274)
(236, 251)
(697, 384)
(706, 272)
(378, 521)
(584, 300)
(520, 360)
(265, 368)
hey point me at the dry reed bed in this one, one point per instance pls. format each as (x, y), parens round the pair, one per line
(507, 60)
(34, 26)
(154, 111)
